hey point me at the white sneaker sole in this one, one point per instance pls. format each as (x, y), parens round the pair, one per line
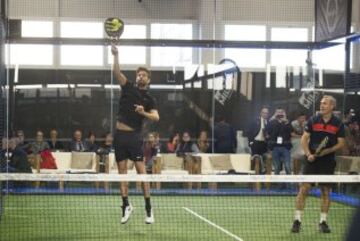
(123, 220)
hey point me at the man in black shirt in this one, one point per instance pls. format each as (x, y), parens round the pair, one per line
(320, 162)
(134, 106)
(279, 132)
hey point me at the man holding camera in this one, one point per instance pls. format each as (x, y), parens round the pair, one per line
(279, 130)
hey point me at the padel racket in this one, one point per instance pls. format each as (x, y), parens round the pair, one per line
(114, 27)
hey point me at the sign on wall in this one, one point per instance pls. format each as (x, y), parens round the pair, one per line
(332, 19)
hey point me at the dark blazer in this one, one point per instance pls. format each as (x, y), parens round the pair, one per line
(254, 129)
(19, 161)
(225, 138)
(74, 146)
(58, 145)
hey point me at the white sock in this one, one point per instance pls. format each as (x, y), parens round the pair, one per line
(298, 215)
(323, 217)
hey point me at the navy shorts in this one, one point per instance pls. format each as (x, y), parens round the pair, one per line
(128, 146)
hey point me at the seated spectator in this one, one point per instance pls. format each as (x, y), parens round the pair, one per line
(186, 145)
(77, 144)
(22, 142)
(3, 155)
(16, 161)
(297, 152)
(151, 149)
(39, 144)
(173, 143)
(54, 144)
(191, 163)
(203, 142)
(91, 142)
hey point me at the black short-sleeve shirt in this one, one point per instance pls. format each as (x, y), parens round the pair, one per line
(131, 96)
(318, 130)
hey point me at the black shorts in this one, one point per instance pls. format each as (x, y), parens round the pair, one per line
(258, 148)
(128, 146)
(320, 167)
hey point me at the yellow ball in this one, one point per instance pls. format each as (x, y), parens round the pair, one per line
(115, 21)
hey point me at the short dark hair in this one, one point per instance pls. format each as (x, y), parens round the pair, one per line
(145, 70)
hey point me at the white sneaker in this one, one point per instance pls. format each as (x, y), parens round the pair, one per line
(149, 219)
(126, 214)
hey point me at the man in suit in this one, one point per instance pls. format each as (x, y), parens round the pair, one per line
(257, 139)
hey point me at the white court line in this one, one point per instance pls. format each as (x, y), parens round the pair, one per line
(170, 207)
(213, 224)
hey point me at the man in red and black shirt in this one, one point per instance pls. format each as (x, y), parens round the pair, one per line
(320, 162)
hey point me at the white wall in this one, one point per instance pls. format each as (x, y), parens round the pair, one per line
(286, 11)
(269, 10)
(155, 9)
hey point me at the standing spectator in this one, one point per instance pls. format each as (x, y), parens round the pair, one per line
(224, 137)
(173, 143)
(257, 140)
(91, 142)
(77, 144)
(352, 137)
(39, 144)
(279, 130)
(297, 153)
(108, 143)
(349, 115)
(151, 149)
(104, 150)
(203, 142)
(54, 144)
(158, 144)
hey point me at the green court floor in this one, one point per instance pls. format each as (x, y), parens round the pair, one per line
(183, 218)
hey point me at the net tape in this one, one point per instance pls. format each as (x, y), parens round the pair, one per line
(180, 178)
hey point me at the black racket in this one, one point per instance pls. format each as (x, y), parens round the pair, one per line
(114, 27)
(321, 146)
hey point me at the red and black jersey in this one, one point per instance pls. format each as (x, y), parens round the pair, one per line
(319, 129)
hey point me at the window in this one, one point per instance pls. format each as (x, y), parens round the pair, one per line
(332, 58)
(131, 54)
(37, 29)
(171, 56)
(287, 57)
(81, 55)
(30, 54)
(246, 57)
(81, 30)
